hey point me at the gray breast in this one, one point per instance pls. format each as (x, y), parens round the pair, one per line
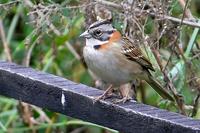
(105, 65)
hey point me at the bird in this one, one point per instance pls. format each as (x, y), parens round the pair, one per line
(116, 59)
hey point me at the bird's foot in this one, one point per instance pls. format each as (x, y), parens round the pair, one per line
(123, 100)
(106, 94)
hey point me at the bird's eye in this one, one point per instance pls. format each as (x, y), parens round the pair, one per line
(98, 33)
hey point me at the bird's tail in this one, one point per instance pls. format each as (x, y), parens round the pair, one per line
(158, 88)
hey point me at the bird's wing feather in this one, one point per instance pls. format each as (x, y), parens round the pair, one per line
(133, 52)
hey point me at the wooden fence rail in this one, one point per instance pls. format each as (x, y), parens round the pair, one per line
(76, 100)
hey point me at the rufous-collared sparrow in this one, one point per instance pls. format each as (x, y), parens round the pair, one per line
(116, 59)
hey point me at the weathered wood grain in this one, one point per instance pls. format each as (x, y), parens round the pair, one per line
(76, 100)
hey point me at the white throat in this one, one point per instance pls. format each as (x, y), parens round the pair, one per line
(92, 42)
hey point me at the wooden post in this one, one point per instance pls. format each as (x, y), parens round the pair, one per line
(76, 100)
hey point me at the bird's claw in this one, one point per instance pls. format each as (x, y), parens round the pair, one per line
(123, 100)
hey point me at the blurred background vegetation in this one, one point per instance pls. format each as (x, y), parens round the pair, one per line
(44, 34)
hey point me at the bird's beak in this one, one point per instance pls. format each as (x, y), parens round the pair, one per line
(85, 34)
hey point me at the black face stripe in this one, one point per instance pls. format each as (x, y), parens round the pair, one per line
(105, 35)
(98, 23)
(107, 31)
(97, 46)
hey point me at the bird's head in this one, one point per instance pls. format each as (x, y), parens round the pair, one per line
(101, 33)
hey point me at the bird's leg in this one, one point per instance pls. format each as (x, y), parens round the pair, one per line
(105, 94)
(102, 86)
(134, 89)
(124, 91)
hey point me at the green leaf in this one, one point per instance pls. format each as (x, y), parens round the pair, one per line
(149, 26)
(14, 23)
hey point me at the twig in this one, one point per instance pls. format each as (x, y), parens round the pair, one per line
(195, 105)
(67, 44)
(5, 43)
(178, 98)
(79, 6)
(195, 56)
(173, 19)
(9, 3)
(52, 27)
(188, 14)
(181, 23)
(108, 3)
(192, 79)
(176, 39)
(27, 58)
(186, 11)
(26, 114)
(43, 116)
(170, 57)
(177, 20)
(180, 50)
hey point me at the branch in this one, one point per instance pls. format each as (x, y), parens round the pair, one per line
(4, 5)
(195, 105)
(187, 12)
(178, 98)
(5, 44)
(173, 19)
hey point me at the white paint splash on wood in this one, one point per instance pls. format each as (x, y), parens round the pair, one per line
(63, 99)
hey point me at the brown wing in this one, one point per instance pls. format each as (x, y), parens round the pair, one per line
(133, 52)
